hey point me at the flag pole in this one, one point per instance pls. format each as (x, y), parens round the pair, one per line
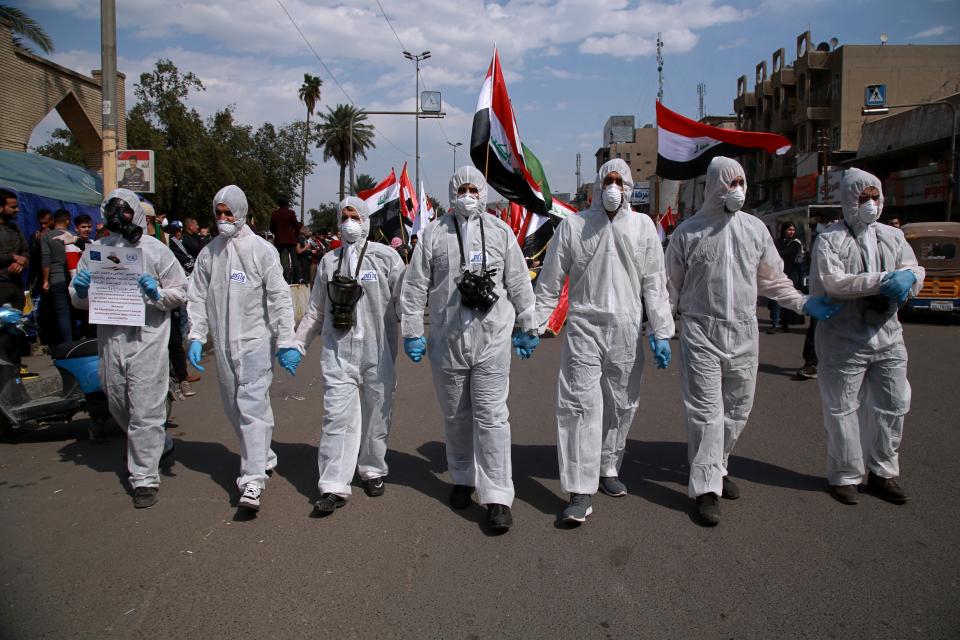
(493, 79)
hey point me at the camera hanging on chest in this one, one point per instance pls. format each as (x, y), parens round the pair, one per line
(476, 288)
(345, 291)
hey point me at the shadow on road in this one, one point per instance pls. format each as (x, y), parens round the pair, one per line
(297, 464)
(773, 369)
(211, 459)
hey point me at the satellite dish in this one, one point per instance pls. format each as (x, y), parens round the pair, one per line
(833, 43)
(884, 37)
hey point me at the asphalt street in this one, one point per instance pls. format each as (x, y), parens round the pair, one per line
(787, 561)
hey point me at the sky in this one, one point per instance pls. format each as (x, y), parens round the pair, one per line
(569, 64)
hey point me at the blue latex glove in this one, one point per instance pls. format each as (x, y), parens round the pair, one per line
(81, 283)
(661, 352)
(524, 343)
(148, 284)
(10, 316)
(194, 353)
(821, 307)
(415, 348)
(289, 359)
(897, 285)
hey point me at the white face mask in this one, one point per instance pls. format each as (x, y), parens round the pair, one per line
(466, 205)
(164, 223)
(612, 196)
(868, 212)
(227, 229)
(734, 199)
(351, 231)
(821, 227)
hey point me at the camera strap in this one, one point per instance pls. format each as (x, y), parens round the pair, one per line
(343, 250)
(863, 257)
(483, 245)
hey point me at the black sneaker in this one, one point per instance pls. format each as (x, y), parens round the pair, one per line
(460, 496)
(708, 509)
(730, 489)
(807, 372)
(144, 497)
(612, 486)
(328, 503)
(886, 488)
(845, 493)
(499, 517)
(374, 487)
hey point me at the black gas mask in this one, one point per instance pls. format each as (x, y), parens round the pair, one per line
(116, 211)
(476, 289)
(345, 292)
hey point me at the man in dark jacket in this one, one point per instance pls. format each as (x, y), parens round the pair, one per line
(13, 262)
(285, 228)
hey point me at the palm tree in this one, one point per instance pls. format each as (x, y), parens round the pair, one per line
(310, 96)
(23, 26)
(363, 182)
(335, 137)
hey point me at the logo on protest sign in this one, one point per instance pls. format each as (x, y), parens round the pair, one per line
(131, 257)
(239, 277)
(95, 256)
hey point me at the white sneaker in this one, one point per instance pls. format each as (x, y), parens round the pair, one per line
(250, 500)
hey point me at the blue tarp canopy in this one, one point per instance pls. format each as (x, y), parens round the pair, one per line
(44, 183)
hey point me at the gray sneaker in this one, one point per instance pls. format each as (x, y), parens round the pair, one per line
(187, 389)
(581, 506)
(613, 487)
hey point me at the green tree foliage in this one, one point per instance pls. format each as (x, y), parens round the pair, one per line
(363, 183)
(196, 157)
(62, 146)
(334, 137)
(310, 95)
(324, 218)
(25, 28)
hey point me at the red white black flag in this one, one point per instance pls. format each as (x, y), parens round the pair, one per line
(686, 147)
(383, 201)
(408, 195)
(495, 145)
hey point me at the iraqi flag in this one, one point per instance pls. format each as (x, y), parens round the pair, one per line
(424, 214)
(686, 147)
(408, 196)
(495, 145)
(384, 203)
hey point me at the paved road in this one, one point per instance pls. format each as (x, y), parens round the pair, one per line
(787, 561)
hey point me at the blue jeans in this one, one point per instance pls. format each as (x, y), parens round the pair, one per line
(61, 306)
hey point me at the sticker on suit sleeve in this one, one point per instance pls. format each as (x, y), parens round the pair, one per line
(369, 276)
(238, 276)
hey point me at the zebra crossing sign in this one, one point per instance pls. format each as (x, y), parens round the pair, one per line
(875, 96)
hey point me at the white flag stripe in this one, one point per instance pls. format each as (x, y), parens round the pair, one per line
(376, 201)
(680, 148)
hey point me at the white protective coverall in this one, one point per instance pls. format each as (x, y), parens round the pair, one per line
(469, 350)
(615, 266)
(238, 294)
(134, 361)
(717, 263)
(863, 366)
(358, 371)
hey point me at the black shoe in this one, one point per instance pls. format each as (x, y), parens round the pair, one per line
(328, 503)
(708, 509)
(144, 497)
(374, 487)
(460, 496)
(499, 517)
(771, 331)
(730, 489)
(845, 493)
(886, 488)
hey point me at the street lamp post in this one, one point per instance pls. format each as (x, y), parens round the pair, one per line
(868, 111)
(417, 59)
(455, 145)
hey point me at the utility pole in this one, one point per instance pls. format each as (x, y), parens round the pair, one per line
(417, 59)
(108, 88)
(659, 68)
(823, 146)
(701, 92)
(455, 145)
(578, 173)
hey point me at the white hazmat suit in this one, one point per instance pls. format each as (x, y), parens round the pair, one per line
(134, 361)
(863, 364)
(469, 350)
(717, 262)
(357, 363)
(238, 294)
(616, 270)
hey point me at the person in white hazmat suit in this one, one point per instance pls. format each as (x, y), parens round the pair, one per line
(353, 308)
(872, 270)
(717, 262)
(469, 346)
(134, 362)
(238, 294)
(614, 260)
